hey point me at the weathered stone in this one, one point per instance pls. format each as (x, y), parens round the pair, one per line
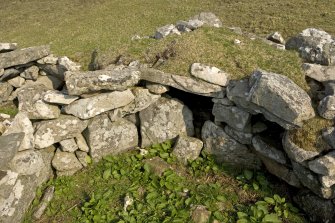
(50, 59)
(326, 108)
(156, 88)
(105, 137)
(56, 71)
(90, 107)
(2, 71)
(328, 135)
(183, 83)
(68, 145)
(311, 181)
(317, 209)
(21, 123)
(31, 101)
(47, 197)
(314, 46)
(268, 151)
(324, 165)
(166, 30)
(223, 101)
(210, 74)
(30, 73)
(9, 145)
(200, 214)
(5, 91)
(17, 82)
(81, 143)
(53, 131)
(209, 19)
(190, 25)
(296, 153)
(276, 37)
(259, 127)
(83, 158)
(9, 73)
(187, 148)
(157, 165)
(50, 82)
(23, 56)
(85, 82)
(57, 97)
(165, 119)
(142, 99)
(225, 149)
(27, 162)
(241, 137)
(65, 161)
(232, 115)
(5, 47)
(68, 64)
(327, 181)
(318, 72)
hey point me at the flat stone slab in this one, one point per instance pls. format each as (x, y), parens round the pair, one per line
(5, 47)
(57, 97)
(324, 165)
(210, 74)
(23, 56)
(318, 72)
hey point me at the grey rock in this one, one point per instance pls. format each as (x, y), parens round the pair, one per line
(50, 82)
(187, 148)
(5, 47)
(225, 149)
(5, 91)
(200, 214)
(83, 158)
(259, 127)
(30, 73)
(57, 97)
(210, 74)
(165, 119)
(9, 145)
(81, 142)
(328, 135)
(23, 56)
(22, 124)
(45, 200)
(296, 153)
(209, 19)
(68, 145)
(27, 162)
(268, 151)
(166, 30)
(142, 99)
(91, 81)
(324, 165)
(50, 59)
(183, 83)
(277, 38)
(239, 136)
(232, 115)
(31, 101)
(314, 46)
(105, 137)
(326, 107)
(53, 131)
(90, 107)
(65, 161)
(318, 72)
(17, 82)
(223, 101)
(9, 73)
(329, 87)
(190, 25)
(156, 88)
(68, 64)
(56, 71)
(318, 209)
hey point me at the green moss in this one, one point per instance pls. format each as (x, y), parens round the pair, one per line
(9, 110)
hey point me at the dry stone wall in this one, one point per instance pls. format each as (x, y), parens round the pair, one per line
(67, 115)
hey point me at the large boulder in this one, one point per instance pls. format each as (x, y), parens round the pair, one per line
(165, 119)
(225, 149)
(78, 82)
(53, 131)
(93, 106)
(105, 137)
(314, 46)
(23, 56)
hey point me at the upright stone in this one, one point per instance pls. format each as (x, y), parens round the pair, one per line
(9, 145)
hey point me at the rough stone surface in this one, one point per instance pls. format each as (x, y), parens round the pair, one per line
(234, 116)
(259, 127)
(27, 162)
(17, 82)
(30, 73)
(327, 181)
(82, 157)
(47, 197)
(9, 145)
(81, 142)
(31, 101)
(210, 74)
(209, 19)
(65, 161)
(21, 123)
(9, 73)
(50, 59)
(326, 108)
(68, 64)
(276, 37)
(225, 149)
(187, 148)
(190, 25)
(56, 71)
(183, 83)
(91, 81)
(166, 30)
(93, 106)
(68, 145)
(318, 72)
(156, 88)
(57, 97)
(223, 101)
(268, 151)
(324, 165)
(165, 119)
(53, 131)
(314, 46)
(328, 135)
(241, 137)
(296, 153)
(105, 137)
(142, 99)
(5, 91)
(5, 47)
(50, 82)
(23, 56)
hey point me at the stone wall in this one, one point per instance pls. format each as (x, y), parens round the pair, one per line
(68, 117)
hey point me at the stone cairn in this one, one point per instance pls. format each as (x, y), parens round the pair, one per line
(68, 116)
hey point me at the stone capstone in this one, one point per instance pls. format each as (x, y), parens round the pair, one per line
(187, 148)
(240, 136)
(28, 162)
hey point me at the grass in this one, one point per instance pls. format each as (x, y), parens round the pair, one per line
(97, 193)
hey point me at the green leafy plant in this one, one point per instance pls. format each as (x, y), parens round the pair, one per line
(255, 180)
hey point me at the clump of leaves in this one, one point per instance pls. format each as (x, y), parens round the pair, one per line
(255, 180)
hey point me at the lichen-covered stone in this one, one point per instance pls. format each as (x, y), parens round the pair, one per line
(5, 47)
(268, 150)
(81, 142)
(240, 136)
(324, 165)
(326, 108)
(68, 145)
(318, 72)
(30, 73)
(156, 88)
(28, 162)
(210, 74)
(17, 82)
(187, 148)
(57, 97)
(5, 91)
(9, 145)
(65, 161)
